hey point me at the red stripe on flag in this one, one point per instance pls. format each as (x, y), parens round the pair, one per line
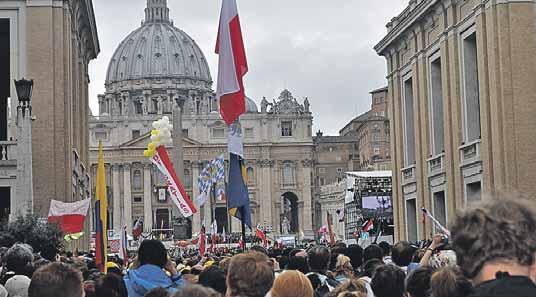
(70, 223)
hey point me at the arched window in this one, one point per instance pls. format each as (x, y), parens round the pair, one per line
(288, 173)
(251, 176)
(137, 183)
(187, 179)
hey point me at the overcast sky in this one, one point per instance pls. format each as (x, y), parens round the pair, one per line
(315, 48)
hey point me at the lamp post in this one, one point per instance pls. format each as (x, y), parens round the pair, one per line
(24, 89)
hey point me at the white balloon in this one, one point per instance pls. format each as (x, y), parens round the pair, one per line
(156, 125)
(165, 119)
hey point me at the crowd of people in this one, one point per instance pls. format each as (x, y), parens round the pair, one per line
(491, 252)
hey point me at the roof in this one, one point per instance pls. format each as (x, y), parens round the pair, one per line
(384, 89)
(370, 173)
(333, 139)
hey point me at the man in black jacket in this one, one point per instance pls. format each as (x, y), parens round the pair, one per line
(495, 245)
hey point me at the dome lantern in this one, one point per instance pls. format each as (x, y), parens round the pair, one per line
(157, 11)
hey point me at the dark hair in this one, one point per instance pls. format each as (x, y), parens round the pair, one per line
(450, 282)
(402, 253)
(196, 291)
(152, 252)
(260, 249)
(372, 251)
(388, 281)
(370, 267)
(18, 257)
(500, 229)
(386, 247)
(111, 285)
(250, 274)
(157, 292)
(213, 277)
(298, 263)
(318, 258)
(418, 282)
(56, 279)
(355, 253)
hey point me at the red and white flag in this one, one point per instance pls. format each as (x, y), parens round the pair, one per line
(369, 225)
(213, 236)
(202, 241)
(138, 228)
(69, 216)
(175, 188)
(242, 243)
(232, 65)
(260, 234)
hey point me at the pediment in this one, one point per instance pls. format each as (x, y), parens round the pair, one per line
(143, 141)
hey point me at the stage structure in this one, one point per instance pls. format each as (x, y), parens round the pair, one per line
(368, 196)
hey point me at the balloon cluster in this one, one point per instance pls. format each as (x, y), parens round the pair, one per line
(160, 135)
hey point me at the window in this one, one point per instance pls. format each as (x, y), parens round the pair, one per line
(376, 151)
(409, 129)
(218, 133)
(286, 129)
(138, 199)
(135, 134)
(184, 132)
(187, 179)
(249, 132)
(474, 192)
(440, 209)
(322, 170)
(288, 173)
(339, 170)
(411, 220)
(436, 107)
(100, 135)
(471, 100)
(322, 181)
(251, 176)
(137, 180)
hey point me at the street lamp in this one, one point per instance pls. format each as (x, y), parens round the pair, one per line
(24, 89)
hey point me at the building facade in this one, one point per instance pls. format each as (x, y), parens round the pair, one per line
(372, 132)
(462, 105)
(45, 149)
(153, 69)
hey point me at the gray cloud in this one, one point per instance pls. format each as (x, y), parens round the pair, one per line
(317, 49)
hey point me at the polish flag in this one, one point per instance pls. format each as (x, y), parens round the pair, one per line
(69, 216)
(233, 64)
(369, 225)
(260, 234)
(242, 243)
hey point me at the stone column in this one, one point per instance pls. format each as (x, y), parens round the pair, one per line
(307, 223)
(127, 198)
(147, 199)
(22, 152)
(265, 199)
(196, 220)
(116, 198)
(178, 160)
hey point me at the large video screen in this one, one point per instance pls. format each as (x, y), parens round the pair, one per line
(373, 204)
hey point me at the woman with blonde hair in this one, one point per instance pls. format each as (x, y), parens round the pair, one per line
(343, 269)
(292, 283)
(352, 287)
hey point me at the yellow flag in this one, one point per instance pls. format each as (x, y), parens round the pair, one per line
(101, 207)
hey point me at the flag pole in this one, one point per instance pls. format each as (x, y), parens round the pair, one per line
(244, 234)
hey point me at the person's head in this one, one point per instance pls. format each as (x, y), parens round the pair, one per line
(56, 279)
(17, 286)
(418, 282)
(357, 287)
(298, 263)
(250, 275)
(318, 258)
(402, 253)
(152, 252)
(196, 291)
(417, 256)
(157, 292)
(260, 249)
(49, 252)
(497, 232)
(442, 259)
(355, 253)
(450, 282)
(111, 285)
(388, 281)
(343, 265)
(292, 283)
(213, 277)
(386, 247)
(18, 258)
(370, 267)
(372, 251)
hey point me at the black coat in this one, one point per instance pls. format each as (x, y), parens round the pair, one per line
(508, 286)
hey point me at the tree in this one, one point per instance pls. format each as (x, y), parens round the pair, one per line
(28, 229)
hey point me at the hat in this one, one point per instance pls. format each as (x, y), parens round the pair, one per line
(111, 265)
(3, 292)
(17, 286)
